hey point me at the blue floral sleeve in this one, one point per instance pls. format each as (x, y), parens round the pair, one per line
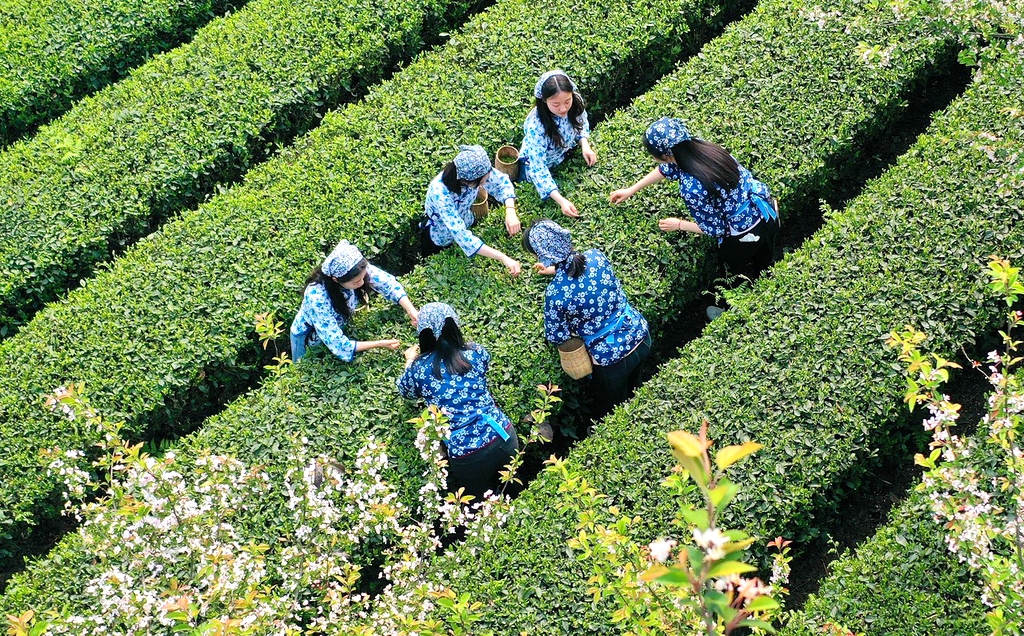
(585, 130)
(318, 311)
(407, 385)
(440, 200)
(556, 323)
(385, 284)
(499, 186)
(535, 150)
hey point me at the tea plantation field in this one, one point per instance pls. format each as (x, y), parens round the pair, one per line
(171, 171)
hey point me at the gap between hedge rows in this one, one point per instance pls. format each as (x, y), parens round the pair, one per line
(335, 405)
(197, 283)
(52, 54)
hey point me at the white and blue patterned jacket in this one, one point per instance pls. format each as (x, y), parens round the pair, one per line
(451, 214)
(318, 322)
(711, 216)
(462, 398)
(540, 153)
(587, 305)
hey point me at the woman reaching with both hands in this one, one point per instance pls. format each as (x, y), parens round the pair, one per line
(585, 299)
(555, 126)
(449, 373)
(449, 204)
(333, 292)
(724, 198)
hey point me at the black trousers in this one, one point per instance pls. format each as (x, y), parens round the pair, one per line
(615, 383)
(478, 471)
(740, 256)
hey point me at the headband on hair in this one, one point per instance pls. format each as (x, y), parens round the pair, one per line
(343, 258)
(551, 242)
(433, 315)
(665, 133)
(538, 89)
(472, 163)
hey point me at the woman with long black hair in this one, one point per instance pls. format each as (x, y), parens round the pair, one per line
(726, 201)
(557, 124)
(585, 299)
(449, 204)
(448, 372)
(333, 291)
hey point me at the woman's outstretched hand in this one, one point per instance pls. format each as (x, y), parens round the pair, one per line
(619, 196)
(544, 271)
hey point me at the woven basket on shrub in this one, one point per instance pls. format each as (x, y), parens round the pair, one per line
(506, 160)
(480, 207)
(574, 358)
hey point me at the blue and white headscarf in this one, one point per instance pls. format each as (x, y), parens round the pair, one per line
(551, 242)
(472, 163)
(665, 133)
(343, 258)
(538, 89)
(433, 315)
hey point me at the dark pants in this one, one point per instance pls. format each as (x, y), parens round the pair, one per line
(478, 471)
(615, 383)
(427, 245)
(737, 257)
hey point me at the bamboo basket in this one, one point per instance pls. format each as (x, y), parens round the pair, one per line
(506, 160)
(480, 207)
(574, 358)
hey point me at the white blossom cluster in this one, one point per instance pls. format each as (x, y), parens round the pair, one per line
(173, 549)
(977, 493)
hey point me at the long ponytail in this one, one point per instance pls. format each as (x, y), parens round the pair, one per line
(448, 349)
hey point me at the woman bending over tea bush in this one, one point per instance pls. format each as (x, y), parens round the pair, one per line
(449, 373)
(724, 198)
(450, 198)
(556, 125)
(585, 299)
(333, 291)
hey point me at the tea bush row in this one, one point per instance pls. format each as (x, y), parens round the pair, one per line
(799, 364)
(902, 581)
(118, 163)
(165, 334)
(335, 406)
(53, 54)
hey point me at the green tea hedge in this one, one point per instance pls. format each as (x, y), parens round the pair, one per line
(336, 405)
(799, 365)
(51, 54)
(903, 581)
(165, 334)
(120, 162)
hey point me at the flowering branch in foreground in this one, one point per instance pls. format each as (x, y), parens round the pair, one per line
(666, 587)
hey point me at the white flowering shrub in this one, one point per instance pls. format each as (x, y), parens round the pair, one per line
(975, 484)
(172, 553)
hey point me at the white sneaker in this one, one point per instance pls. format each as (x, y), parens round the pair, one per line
(713, 312)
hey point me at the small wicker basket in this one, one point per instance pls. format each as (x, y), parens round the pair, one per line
(480, 206)
(574, 358)
(506, 160)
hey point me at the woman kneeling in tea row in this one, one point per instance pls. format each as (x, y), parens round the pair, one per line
(333, 291)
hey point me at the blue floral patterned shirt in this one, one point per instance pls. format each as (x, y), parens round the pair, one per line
(317, 314)
(463, 398)
(710, 216)
(539, 153)
(583, 306)
(451, 214)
